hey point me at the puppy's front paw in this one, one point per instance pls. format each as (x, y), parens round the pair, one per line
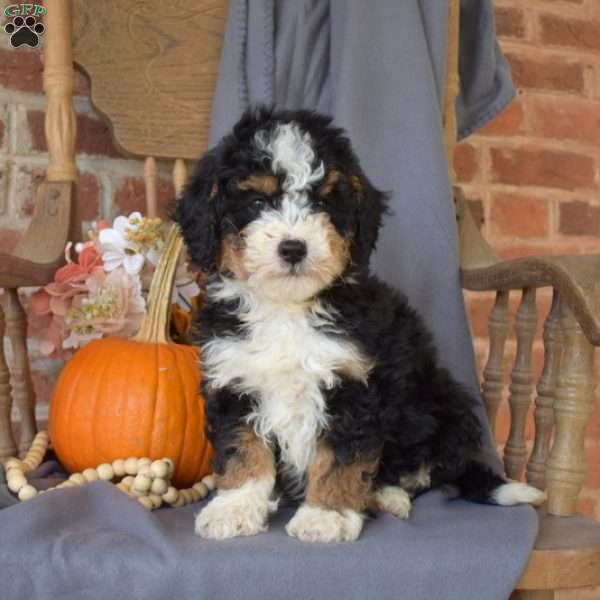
(314, 524)
(393, 499)
(234, 513)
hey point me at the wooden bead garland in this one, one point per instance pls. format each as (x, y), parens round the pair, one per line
(148, 481)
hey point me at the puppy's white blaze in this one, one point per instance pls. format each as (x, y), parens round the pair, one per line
(315, 524)
(283, 363)
(291, 152)
(516, 492)
(237, 512)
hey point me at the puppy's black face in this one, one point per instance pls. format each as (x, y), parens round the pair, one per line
(282, 205)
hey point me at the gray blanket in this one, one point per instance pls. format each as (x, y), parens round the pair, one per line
(378, 67)
(95, 543)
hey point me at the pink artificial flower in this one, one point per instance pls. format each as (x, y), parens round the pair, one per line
(50, 304)
(113, 306)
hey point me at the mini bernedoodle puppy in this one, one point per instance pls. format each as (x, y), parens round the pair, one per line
(321, 382)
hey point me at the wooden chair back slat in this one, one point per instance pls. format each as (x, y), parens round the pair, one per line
(544, 402)
(493, 380)
(521, 386)
(156, 72)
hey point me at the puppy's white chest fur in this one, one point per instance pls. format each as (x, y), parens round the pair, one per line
(285, 363)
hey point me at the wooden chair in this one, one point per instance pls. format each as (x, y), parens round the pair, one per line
(41, 250)
(153, 72)
(567, 551)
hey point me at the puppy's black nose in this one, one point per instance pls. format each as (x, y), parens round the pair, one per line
(292, 251)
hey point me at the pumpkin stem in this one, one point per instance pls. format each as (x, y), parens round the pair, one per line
(155, 325)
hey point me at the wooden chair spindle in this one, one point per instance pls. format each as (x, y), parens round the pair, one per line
(179, 175)
(521, 387)
(493, 381)
(7, 443)
(22, 385)
(61, 124)
(151, 180)
(544, 402)
(573, 407)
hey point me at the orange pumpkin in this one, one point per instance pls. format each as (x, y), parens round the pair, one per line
(118, 398)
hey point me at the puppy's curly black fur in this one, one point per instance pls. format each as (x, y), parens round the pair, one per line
(407, 414)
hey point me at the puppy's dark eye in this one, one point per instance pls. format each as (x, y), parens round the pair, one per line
(258, 202)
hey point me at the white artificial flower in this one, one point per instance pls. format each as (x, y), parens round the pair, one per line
(117, 251)
(131, 223)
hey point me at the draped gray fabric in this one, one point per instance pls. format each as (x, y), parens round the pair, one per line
(378, 67)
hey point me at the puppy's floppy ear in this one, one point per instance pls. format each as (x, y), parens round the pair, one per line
(371, 208)
(196, 212)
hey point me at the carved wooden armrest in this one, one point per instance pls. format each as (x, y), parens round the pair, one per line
(565, 398)
(575, 278)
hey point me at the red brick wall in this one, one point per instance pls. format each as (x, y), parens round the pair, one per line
(533, 174)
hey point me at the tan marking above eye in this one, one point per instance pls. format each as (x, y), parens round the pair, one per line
(261, 183)
(330, 180)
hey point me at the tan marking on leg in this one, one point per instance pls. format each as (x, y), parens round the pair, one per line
(252, 460)
(336, 486)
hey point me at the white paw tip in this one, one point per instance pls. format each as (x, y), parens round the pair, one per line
(516, 492)
(395, 500)
(314, 524)
(239, 512)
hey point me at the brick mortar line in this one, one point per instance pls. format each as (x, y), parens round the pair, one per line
(525, 142)
(536, 48)
(38, 101)
(589, 195)
(121, 167)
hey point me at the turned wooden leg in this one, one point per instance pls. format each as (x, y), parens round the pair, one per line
(533, 595)
(573, 407)
(521, 387)
(544, 403)
(22, 386)
(7, 442)
(493, 380)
